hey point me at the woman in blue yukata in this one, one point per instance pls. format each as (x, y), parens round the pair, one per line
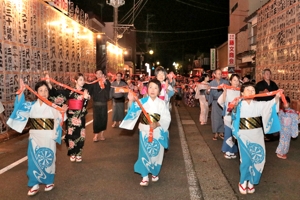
(44, 133)
(229, 148)
(249, 120)
(151, 154)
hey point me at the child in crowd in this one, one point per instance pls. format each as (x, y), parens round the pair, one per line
(190, 97)
(249, 120)
(151, 154)
(289, 120)
(178, 94)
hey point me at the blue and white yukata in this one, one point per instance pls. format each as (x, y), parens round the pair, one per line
(42, 141)
(228, 146)
(247, 129)
(151, 155)
(289, 128)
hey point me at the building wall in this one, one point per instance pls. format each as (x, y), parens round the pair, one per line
(255, 5)
(242, 43)
(37, 39)
(278, 45)
(236, 18)
(222, 56)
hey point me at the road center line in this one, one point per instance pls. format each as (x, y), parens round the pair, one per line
(5, 169)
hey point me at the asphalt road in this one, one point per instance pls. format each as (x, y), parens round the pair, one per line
(106, 171)
(193, 168)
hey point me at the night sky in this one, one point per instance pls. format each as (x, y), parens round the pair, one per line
(177, 27)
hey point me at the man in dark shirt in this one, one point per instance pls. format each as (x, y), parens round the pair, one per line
(266, 85)
(263, 86)
(100, 94)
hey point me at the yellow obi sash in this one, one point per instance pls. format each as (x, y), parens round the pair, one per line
(42, 123)
(154, 118)
(250, 123)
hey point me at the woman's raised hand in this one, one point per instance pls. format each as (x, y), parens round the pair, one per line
(130, 96)
(65, 107)
(21, 85)
(47, 77)
(86, 94)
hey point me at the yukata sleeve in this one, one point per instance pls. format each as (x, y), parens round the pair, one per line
(235, 115)
(221, 100)
(20, 115)
(59, 97)
(131, 117)
(270, 119)
(171, 91)
(165, 120)
(57, 132)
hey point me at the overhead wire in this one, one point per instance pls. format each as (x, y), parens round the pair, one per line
(208, 5)
(198, 38)
(139, 11)
(210, 10)
(130, 12)
(179, 32)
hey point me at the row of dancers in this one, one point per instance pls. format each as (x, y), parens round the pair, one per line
(47, 114)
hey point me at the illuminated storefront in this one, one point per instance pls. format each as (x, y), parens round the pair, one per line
(35, 39)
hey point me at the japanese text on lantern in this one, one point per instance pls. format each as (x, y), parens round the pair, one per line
(231, 49)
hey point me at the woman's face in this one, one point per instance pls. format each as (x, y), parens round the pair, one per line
(250, 90)
(80, 81)
(161, 76)
(153, 90)
(235, 82)
(43, 91)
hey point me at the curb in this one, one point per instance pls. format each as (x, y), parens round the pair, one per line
(212, 181)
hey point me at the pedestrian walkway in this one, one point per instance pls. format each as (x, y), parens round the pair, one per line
(212, 181)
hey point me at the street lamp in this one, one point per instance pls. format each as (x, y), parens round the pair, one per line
(157, 63)
(176, 66)
(151, 52)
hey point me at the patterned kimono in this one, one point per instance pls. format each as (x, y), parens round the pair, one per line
(247, 128)
(75, 136)
(289, 128)
(228, 144)
(151, 155)
(43, 135)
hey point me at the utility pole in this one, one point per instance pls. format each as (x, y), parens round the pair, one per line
(148, 40)
(116, 4)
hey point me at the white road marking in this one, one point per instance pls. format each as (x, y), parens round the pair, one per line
(13, 165)
(194, 187)
(5, 169)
